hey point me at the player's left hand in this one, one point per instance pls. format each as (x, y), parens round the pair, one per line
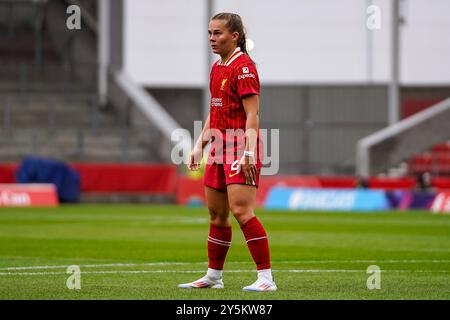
(248, 166)
(195, 159)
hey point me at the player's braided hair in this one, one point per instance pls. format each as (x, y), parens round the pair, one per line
(234, 24)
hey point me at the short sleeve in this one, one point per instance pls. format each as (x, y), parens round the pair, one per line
(247, 80)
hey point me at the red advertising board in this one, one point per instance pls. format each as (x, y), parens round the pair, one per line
(28, 195)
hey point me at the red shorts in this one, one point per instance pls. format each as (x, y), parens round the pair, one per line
(218, 176)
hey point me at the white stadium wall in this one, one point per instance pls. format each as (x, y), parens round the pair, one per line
(164, 42)
(296, 42)
(426, 42)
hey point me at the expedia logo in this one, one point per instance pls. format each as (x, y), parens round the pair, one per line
(248, 75)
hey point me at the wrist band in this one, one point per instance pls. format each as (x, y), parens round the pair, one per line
(249, 154)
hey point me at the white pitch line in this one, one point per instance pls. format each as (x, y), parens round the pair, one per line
(100, 272)
(101, 265)
(363, 261)
(169, 263)
(227, 271)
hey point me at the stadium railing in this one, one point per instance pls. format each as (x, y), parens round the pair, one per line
(379, 152)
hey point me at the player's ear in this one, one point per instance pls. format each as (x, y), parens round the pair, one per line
(235, 36)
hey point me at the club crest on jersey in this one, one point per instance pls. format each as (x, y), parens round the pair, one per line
(224, 81)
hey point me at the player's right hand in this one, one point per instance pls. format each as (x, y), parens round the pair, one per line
(195, 159)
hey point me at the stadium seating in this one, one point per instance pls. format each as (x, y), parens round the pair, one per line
(48, 106)
(436, 161)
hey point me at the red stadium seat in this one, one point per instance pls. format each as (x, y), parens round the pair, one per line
(421, 163)
(441, 147)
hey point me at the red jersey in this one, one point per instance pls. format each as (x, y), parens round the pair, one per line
(229, 83)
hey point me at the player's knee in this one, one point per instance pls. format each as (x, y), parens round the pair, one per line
(217, 216)
(241, 212)
(213, 212)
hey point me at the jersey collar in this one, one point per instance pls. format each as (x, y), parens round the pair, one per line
(236, 53)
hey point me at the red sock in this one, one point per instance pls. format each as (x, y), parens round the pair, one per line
(257, 243)
(219, 241)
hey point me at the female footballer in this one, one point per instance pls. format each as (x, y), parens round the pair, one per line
(233, 167)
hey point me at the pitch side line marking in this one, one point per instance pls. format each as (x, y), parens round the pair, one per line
(228, 271)
(168, 263)
(366, 261)
(102, 265)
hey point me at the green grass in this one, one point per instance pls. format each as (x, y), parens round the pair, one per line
(315, 255)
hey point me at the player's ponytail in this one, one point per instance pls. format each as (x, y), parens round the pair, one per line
(242, 43)
(234, 24)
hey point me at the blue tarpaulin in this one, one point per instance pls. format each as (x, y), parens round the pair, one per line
(38, 170)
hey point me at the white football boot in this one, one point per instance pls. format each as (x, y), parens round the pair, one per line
(261, 285)
(205, 282)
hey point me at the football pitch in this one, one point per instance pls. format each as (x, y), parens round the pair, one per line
(144, 251)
